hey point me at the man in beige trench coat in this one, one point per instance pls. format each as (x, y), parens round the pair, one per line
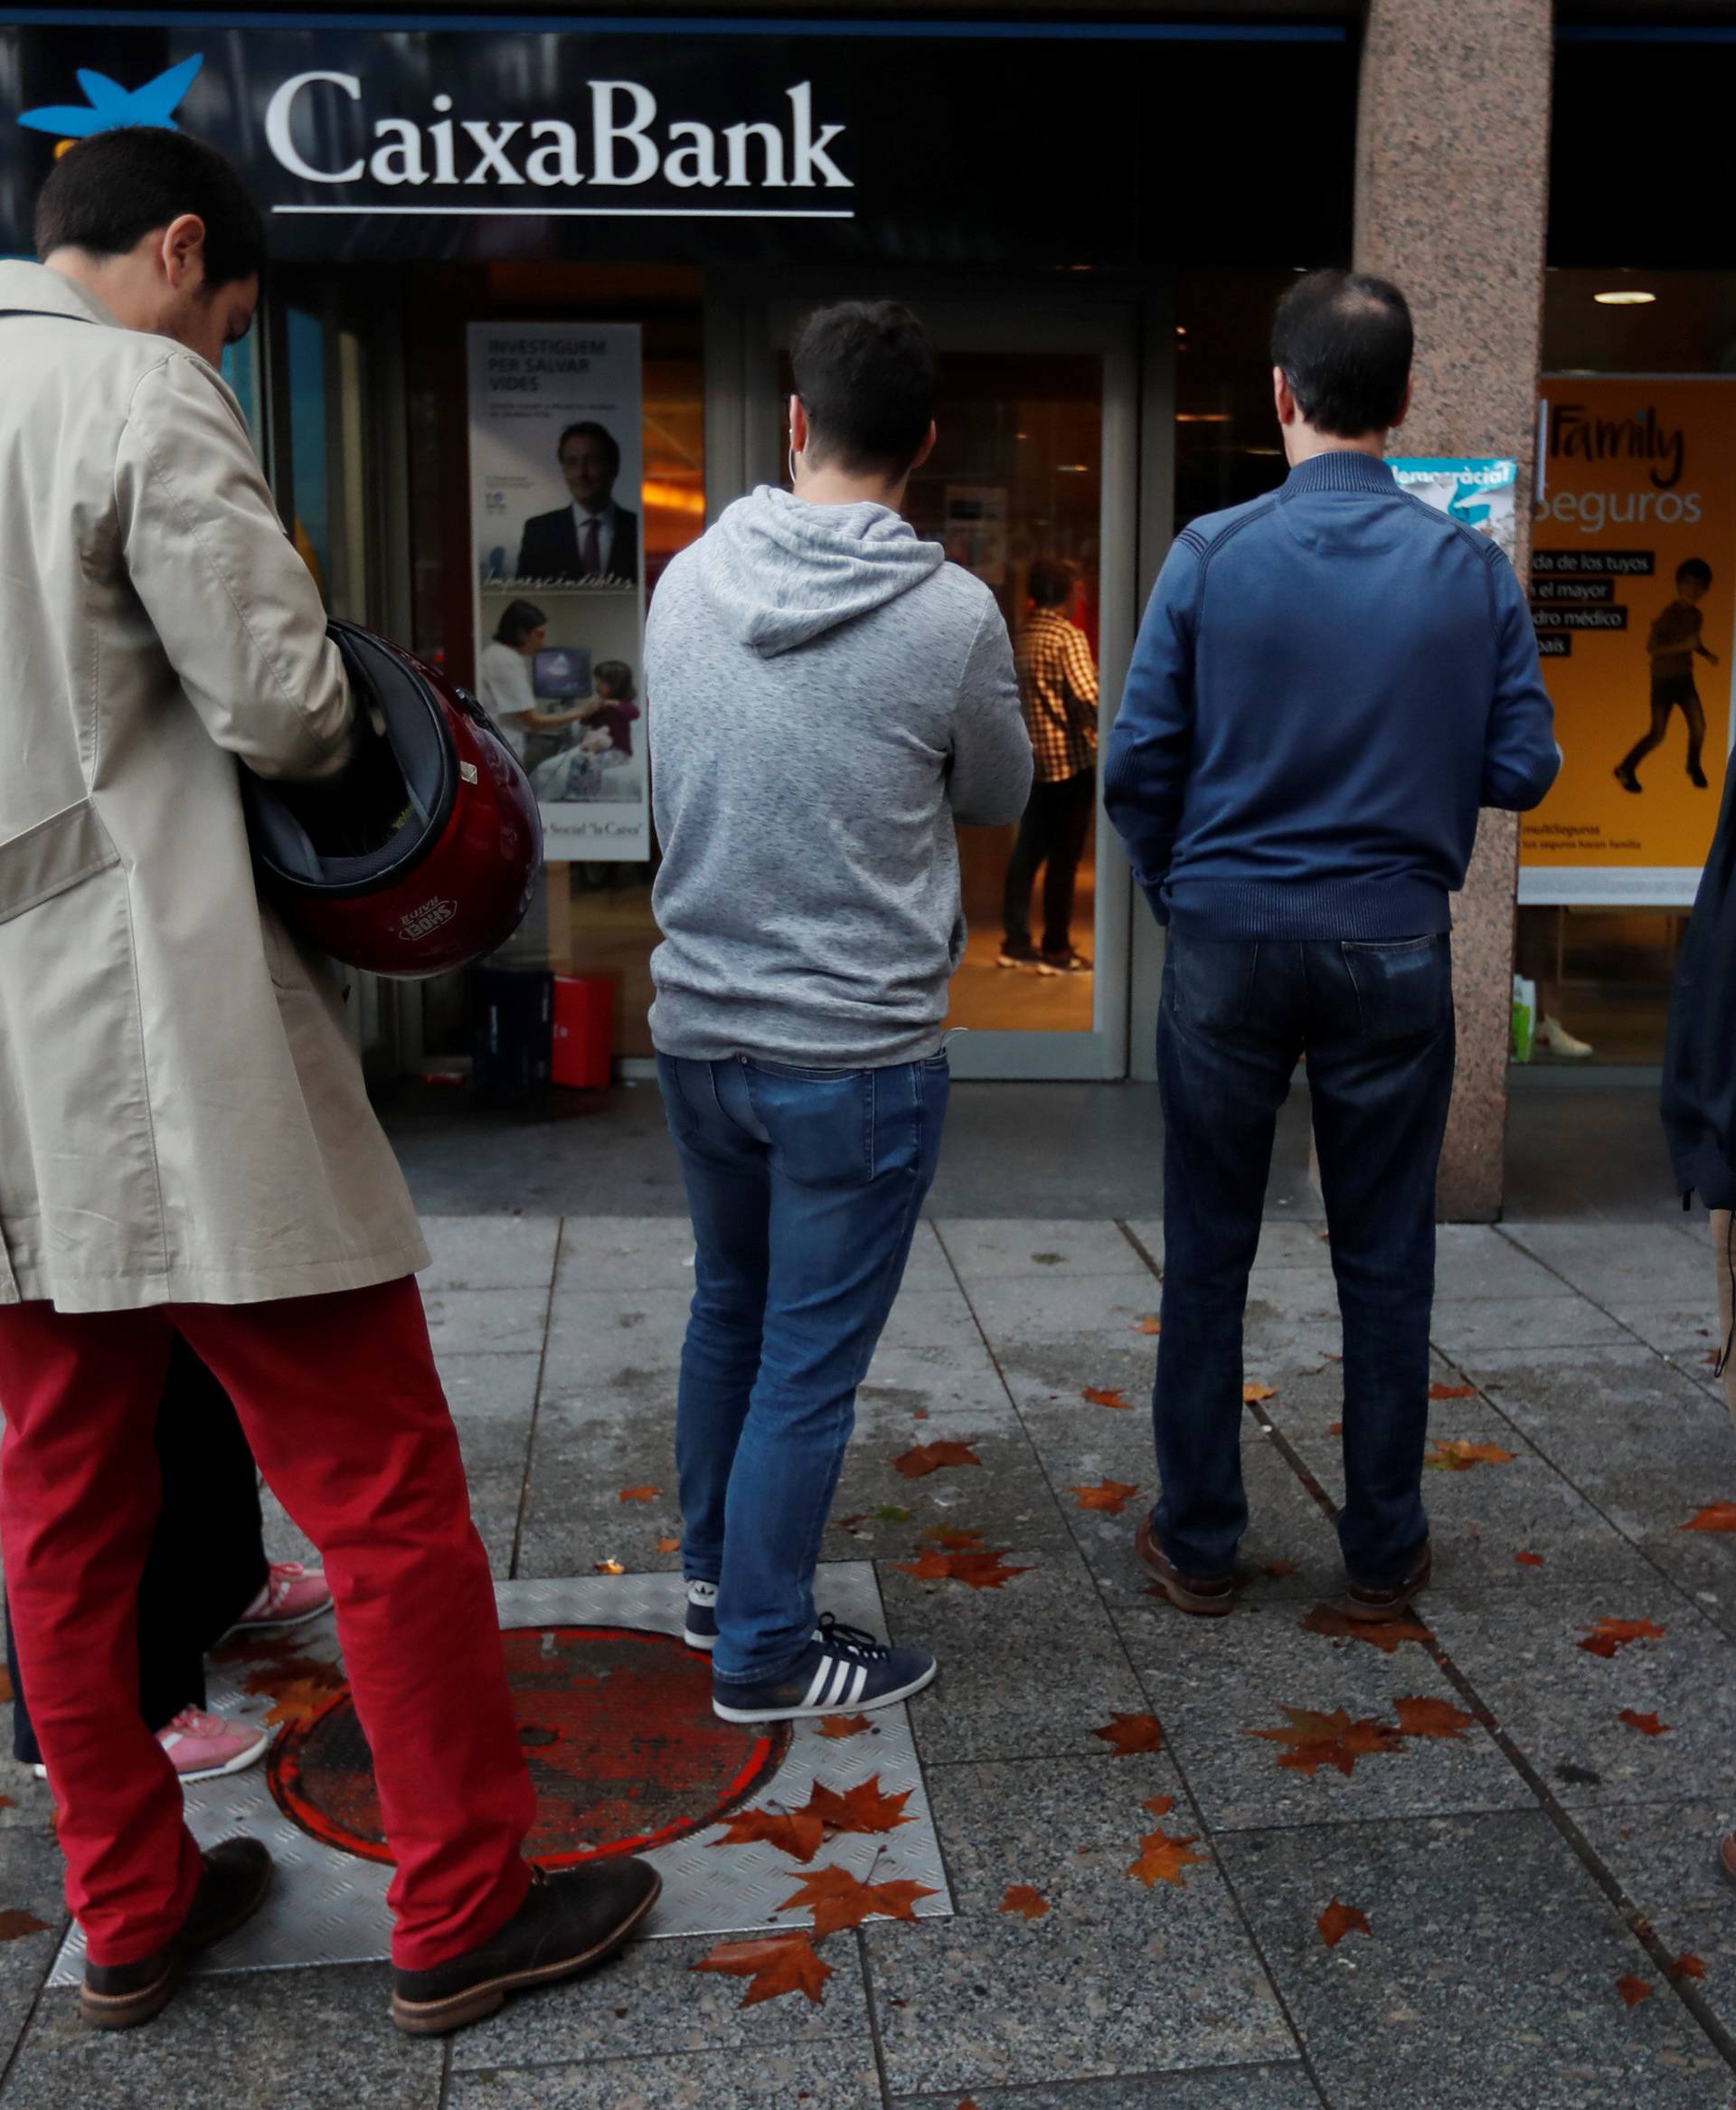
(186, 1146)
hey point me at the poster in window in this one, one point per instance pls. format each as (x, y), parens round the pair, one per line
(558, 565)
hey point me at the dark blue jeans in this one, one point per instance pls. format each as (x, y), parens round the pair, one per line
(805, 1186)
(1375, 1022)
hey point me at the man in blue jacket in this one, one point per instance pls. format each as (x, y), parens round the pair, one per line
(1328, 683)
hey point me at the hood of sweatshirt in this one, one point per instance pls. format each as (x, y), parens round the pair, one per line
(781, 573)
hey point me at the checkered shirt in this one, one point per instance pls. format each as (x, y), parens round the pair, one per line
(1058, 685)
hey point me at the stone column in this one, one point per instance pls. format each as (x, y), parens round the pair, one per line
(1452, 167)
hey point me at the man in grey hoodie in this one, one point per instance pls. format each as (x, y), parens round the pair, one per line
(828, 698)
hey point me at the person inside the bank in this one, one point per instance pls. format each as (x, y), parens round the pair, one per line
(187, 1153)
(504, 679)
(593, 538)
(1672, 646)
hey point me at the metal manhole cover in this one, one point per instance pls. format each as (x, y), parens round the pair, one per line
(616, 1726)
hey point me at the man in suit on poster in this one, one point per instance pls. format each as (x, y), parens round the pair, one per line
(592, 537)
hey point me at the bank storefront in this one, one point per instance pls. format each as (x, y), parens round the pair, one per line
(487, 232)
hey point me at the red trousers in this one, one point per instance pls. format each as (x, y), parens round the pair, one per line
(344, 1408)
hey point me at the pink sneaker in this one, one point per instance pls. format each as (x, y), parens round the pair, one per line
(202, 1745)
(292, 1596)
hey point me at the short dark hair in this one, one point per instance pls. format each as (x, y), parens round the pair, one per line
(1049, 582)
(1344, 342)
(111, 190)
(588, 428)
(619, 675)
(1695, 568)
(866, 376)
(517, 620)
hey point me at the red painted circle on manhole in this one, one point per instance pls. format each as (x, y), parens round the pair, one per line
(617, 1728)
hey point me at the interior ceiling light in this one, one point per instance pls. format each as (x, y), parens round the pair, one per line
(1622, 298)
(1202, 417)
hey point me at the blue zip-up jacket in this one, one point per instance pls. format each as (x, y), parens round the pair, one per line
(1328, 683)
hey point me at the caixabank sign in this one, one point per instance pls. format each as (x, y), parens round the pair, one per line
(914, 141)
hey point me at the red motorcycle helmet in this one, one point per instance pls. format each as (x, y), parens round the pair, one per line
(421, 855)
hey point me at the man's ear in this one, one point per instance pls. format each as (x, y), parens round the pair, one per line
(181, 251)
(927, 448)
(1284, 398)
(798, 431)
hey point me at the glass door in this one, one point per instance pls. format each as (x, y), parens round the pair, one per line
(1031, 486)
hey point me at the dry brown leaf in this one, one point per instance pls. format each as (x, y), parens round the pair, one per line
(1714, 1517)
(1252, 1394)
(976, 1571)
(1648, 1725)
(1452, 1392)
(1149, 1324)
(1126, 1734)
(668, 1546)
(1339, 1920)
(640, 1494)
(1027, 1903)
(838, 1727)
(1334, 1428)
(6, 1686)
(608, 1567)
(1163, 1858)
(861, 1809)
(926, 1458)
(1457, 1454)
(1633, 1989)
(1280, 1567)
(1688, 1965)
(1314, 1740)
(1529, 1560)
(1159, 1805)
(799, 1833)
(1387, 1635)
(954, 1538)
(837, 1899)
(1610, 1634)
(1432, 1718)
(1099, 1397)
(16, 1925)
(775, 1966)
(1112, 1496)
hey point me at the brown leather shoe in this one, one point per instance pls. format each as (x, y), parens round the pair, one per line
(120, 1996)
(1205, 1596)
(1727, 1856)
(1362, 1602)
(568, 1922)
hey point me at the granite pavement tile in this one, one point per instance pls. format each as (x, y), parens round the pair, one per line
(1664, 1856)
(1561, 1704)
(624, 1253)
(575, 1515)
(1487, 1980)
(1289, 1238)
(929, 1266)
(1085, 1311)
(1475, 1260)
(1113, 1971)
(1614, 1263)
(467, 1322)
(1465, 1327)
(951, 1377)
(1235, 2087)
(1605, 1408)
(930, 1319)
(33, 1877)
(651, 1997)
(1684, 1334)
(489, 1253)
(1005, 1498)
(315, 2040)
(611, 1349)
(1040, 1248)
(1213, 1682)
(830, 2076)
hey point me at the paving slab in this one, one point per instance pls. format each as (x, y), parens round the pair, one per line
(579, 1511)
(1487, 1980)
(33, 1877)
(1465, 1327)
(467, 1322)
(930, 1318)
(1044, 1249)
(831, 2077)
(1663, 1855)
(1475, 1260)
(1113, 1971)
(953, 1377)
(489, 1253)
(612, 1348)
(1236, 2087)
(1288, 1237)
(1005, 1498)
(1088, 1311)
(1214, 1683)
(625, 1252)
(1617, 1262)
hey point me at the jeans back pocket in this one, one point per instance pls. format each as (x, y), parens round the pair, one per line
(1404, 986)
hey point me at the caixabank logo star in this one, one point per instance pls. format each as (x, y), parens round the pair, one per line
(108, 105)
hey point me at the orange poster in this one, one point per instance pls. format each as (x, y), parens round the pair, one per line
(1634, 595)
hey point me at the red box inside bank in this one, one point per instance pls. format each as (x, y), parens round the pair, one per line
(584, 1031)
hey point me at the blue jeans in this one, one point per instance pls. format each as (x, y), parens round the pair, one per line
(1376, 1024)
(805, 1188)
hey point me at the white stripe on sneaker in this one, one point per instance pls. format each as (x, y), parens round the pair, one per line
(840, 1678)
(816, 1685)
(857, 1684)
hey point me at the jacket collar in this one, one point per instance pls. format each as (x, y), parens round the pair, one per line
(1343, 468)
(28, 289)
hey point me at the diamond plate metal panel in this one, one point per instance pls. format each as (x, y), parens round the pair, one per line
(330, 1907)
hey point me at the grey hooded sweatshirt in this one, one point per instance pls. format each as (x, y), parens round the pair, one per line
(827, 697)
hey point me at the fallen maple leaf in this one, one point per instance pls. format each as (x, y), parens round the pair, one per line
(861, 1809)
(1610, 1634)
(1688, 1965)
(1112, 1495)
(1252, 1394)
(1099, 1397)
(608, 1567)
(1648, 1725)
(1452, 1392)
(1163, 1856)
(926, 1458)
(640, 1494)
(1529, 1560)
(1334, 1428)
(1714, 1517)
(976, 1571)
(799, 1833)
(837, 1899)
(1280, 1567)
(14, 1926)
(1432, 1718)
(1131, 1733)
(954, 1539)
(1159, 1805)
(1633, 1989)
(1027, 1903)
(1457, 1454)
(668, 1546)
(1339, 1920)
(1149, 1325)
(1387, 1635)
(776, 1966)
(1316, 1739)
(838, 1727)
